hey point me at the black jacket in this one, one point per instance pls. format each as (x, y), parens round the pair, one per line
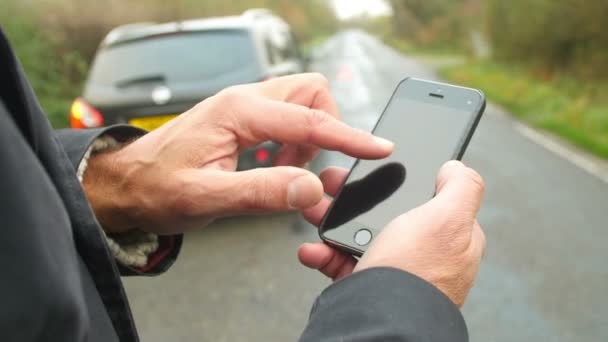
(60, 283)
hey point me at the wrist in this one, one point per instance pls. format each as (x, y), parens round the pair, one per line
(105, 184)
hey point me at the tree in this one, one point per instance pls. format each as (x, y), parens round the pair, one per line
(552, 35)
(444, 23)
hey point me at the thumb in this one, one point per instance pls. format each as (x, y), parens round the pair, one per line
(271, 189)
(459, 188)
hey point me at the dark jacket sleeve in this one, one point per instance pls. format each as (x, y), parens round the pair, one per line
(76, 143)
(384, 304)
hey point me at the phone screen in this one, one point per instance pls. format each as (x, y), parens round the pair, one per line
(427, 132)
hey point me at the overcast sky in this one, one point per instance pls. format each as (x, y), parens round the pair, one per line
(349, 8)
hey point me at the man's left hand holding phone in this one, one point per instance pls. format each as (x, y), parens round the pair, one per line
(440, 241)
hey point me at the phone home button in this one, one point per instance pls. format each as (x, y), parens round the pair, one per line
(363, 237)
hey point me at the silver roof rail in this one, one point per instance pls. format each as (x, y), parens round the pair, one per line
(118, 32)
(257, 13)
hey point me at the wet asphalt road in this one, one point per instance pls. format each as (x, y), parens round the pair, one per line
(545, 277)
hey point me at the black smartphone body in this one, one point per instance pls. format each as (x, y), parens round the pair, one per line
(430, 123)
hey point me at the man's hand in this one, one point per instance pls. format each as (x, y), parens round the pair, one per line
(440, 241)
(182, 176)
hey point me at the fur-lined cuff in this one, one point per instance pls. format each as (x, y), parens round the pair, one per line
(132, 248)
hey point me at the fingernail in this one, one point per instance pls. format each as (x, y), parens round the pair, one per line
(304, 192)
(387, 144)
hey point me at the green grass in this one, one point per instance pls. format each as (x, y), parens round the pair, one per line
(406, 47)
(575, 110)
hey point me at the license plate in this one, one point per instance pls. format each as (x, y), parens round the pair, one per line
(151, 123)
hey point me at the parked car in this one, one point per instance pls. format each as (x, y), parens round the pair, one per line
(145, 74)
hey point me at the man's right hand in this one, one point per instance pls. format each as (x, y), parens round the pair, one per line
(440, 241)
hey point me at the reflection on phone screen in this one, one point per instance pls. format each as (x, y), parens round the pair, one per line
(426, 135)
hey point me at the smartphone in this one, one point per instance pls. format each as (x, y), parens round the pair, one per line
(430, 123)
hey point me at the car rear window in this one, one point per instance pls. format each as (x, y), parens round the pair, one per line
(180, 57)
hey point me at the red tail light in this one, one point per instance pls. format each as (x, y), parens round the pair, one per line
(83, 115)
(262, 155)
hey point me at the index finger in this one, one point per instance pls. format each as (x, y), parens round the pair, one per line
(309, 90)
(260, 120)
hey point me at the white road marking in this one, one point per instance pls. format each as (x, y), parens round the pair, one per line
(592, 165)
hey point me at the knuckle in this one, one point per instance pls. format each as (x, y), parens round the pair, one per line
(476, 179)
(230, 104)
(316, 118)
(229, 95)
(183, 206)
(452, 229)
(454, 237)
(320, 80)
(483, 240)
(200, 107)
(259, 194)
(182, 203)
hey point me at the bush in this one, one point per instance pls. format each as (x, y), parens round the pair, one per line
(436, 24)
(563, 106)
(565, 35)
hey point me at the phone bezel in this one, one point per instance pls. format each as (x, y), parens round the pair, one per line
(451, 98)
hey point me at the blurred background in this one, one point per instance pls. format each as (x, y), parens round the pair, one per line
(542, 146)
